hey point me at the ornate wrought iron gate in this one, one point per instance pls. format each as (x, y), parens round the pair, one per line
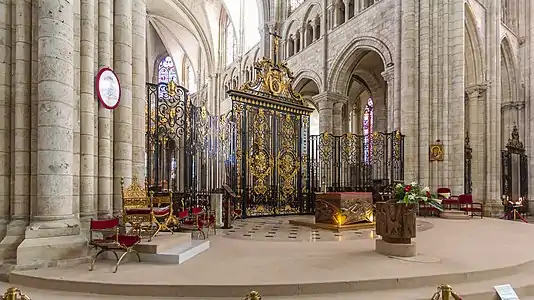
(514, 168)
(468, 155)
(178, 141)
(356, 163)
(269, 151)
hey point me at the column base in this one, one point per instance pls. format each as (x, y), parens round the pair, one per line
(493, 208)
(390, 249)
(49, 242)
(14, 236)
(50, 251)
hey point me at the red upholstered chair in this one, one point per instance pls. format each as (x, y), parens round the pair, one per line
(447, 200)
(466, 204)
(109, 239)
(194, 221)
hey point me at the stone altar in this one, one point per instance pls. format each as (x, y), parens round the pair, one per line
(340, 209)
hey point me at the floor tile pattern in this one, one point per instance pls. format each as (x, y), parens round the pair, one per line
(278, 229)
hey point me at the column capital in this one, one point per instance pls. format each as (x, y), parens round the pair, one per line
(388, 74)
(475, 92)
(330, 97)
(511, 105)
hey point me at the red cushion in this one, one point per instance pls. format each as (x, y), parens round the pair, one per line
(104, 224)
(128, 240)
(162, 211)
(182, 214)
(137, 211)
(197, 210)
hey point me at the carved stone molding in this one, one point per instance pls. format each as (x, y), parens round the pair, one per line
(475, 92)
(388, 74)
(513, 105)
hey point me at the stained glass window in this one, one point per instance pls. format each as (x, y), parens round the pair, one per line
(230, 43)
(368, 118)
(167, 71)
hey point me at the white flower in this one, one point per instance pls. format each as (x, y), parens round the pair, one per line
(398, 185)
(411, 197)
(413, 183)
(425, 189)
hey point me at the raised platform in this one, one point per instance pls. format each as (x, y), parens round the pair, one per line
(469, 255)
(334, 228)
(166, 248)
(454, 214)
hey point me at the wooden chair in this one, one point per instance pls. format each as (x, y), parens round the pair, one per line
(110, 239)
(162, 212)
(136, 207)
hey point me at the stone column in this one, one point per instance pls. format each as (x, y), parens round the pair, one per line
(139, 90)
(455, 120)
(105, 179)
(122, 122)
(325, 112)
(5, 114)
(21, 128)
(409, 109)
(476, 104)
(493, 111)
(54, 232)
(337, 118)
(87, 112)
(389, 75)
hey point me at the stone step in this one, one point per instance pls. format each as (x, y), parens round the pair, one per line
(163, 241)
(480, 290)
(454, 214)
(179, 254)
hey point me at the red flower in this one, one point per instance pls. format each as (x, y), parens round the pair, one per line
(428, 194)
(407, 188)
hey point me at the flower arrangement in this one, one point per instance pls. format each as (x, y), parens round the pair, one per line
(413, 193)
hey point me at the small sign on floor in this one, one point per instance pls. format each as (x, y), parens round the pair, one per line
(506, 292)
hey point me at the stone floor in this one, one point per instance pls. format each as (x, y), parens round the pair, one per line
(278, 229)
(447, 247)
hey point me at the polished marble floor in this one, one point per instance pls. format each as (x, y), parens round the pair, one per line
(278, 229)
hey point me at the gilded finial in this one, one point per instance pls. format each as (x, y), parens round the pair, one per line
(13, 293)
(253, 296)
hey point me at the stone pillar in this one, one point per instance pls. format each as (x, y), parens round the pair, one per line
(105, 179)
(337, 118)
(122, 122)
(391, 110)
(493, 109)
(325, 112)
(87, 112)
(139, 90)
(455, 117)
(21, 128)
(409, 109)
(5, 114)
(476, 104)
(54, 230)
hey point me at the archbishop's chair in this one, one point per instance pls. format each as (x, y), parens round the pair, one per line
(105, 236)
(137, 208)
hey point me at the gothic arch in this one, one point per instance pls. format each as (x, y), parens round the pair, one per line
(509, 85)
(287, 30)
(339, 74)
(308, 74)
(312, 12)
(474, 60)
